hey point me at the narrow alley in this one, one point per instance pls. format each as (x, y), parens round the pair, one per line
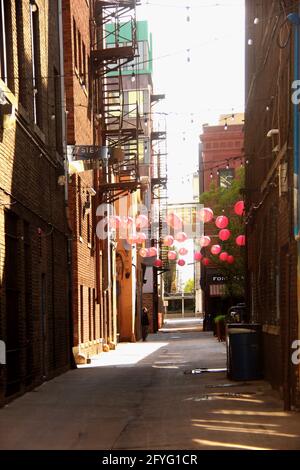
(145, 396)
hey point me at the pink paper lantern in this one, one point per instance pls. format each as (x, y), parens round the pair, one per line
(223, 256)
(158, 263)
(183, 251)
(206, 261)
(215, 249)
(198, 256)
(239, 208)
(141, 221)
(143, 252)
(141, 237)
(222, 221)
(240, 240)
(174, 221)
(181, 237)
(152, 251)
(205, 241)
(230, 259)
(168, 240)
(205, 215)
(224, 234)
(172, 255)
(181, 262)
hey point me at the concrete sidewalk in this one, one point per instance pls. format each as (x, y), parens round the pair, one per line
(144, 396)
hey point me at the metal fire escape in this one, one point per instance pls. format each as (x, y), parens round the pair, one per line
(121, 127)
(159, 181)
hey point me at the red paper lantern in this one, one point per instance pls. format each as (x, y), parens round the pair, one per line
(224, 234)
(181, 237)
(223, 256)
(172, 255)
(158, 263)
(174, 221)
(205, 241)
(181, 262)
(168, 240)
(215, 249)
(183, 251)
(152, 251)
(206, 261)
(230, 259)
(240, 240)
(222, 221)
(239, 207)
(141, 221)
(198, 256)
(143, 252)
(205, 215)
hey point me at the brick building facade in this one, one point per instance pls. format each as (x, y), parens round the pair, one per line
(91, 325)
(269, 149)
(34, 286)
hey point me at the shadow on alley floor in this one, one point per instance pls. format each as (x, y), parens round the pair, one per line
(144, 396)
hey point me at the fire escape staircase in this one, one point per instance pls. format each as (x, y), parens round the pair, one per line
(120, 133)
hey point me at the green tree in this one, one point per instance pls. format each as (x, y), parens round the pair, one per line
(221, 201)
(189, 286)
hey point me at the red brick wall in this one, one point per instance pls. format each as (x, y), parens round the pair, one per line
(218, 145)
(271, 247)
(87, 317)
(38, 338)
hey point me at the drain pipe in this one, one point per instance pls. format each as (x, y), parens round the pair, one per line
(66, 171)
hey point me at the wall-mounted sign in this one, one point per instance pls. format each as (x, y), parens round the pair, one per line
(89, 152)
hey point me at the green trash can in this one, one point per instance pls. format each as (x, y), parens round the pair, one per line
(244, 351)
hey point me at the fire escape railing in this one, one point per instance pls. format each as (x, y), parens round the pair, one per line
(116, 46)
(159, 178)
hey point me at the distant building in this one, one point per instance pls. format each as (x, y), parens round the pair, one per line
(221, 151)
(221, 154)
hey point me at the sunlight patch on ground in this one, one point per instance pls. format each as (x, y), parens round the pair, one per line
(228, 445)
(251, 413)
(265, 432)
(125, 354)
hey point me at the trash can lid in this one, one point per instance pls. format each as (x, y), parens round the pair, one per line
(240, 330)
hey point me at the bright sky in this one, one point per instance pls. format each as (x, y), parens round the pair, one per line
(210, 84)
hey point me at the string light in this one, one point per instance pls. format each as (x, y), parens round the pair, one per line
(188, 55)
(188, 16)
(256, 20)
(250, 42)
(227, 165)
(226, 125)
(211, 175)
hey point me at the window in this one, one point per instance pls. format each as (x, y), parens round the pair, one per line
(79, 208)
(141, 60)
(75, 44)
(88, 221)
(57, 111)
(36, 65)
(6, 45)
(79, 54)
(90, 315)
(20, 51)
(131, 99)
(94, 313)
(225, 177)
(84, 77)
(81, 315)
